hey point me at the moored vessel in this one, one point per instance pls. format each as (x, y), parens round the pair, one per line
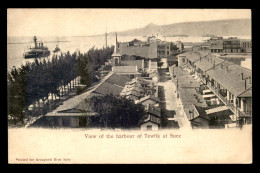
(37, 51)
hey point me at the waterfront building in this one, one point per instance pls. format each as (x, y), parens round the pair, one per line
(246, 45)
(229, 45)
(216, 44)
(146, 49)
(138, 48)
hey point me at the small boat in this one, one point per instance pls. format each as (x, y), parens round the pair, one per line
(37, 51)
(57, 49)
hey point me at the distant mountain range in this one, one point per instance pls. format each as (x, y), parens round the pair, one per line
(232, 27)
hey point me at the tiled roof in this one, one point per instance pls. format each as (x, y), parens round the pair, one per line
(193, 112)
(108, 88)
(232, 80)
(152, 119)
(73, 110)
(202, 112)
(247, 93)
(188, 96)
(117, 79)
(191, 56)
(208, 62)
(138, 63)
(125, 69)
(133, 92)
(153, 110)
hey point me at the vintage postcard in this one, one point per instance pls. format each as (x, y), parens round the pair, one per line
(132, 86)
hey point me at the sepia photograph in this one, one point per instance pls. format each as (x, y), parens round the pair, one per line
(129, 86)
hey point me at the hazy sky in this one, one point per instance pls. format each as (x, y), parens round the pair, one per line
(84, 22)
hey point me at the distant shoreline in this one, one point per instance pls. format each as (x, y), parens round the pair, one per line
(43, 42)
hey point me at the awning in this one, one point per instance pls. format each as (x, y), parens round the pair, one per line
(217, 109)
(208, 96)
(206, 91)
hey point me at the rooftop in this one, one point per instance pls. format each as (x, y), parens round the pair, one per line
(155, 110)
(149, 97)
(191, 56)
(108, 88)
(201, 112)
(116, 54)
(208, 62)
(138, 63)
(125, 69)
(117, 79)
(233, 78)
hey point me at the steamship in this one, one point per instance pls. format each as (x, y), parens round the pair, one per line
(37, 51)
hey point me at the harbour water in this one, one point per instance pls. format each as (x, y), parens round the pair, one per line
(16, 46)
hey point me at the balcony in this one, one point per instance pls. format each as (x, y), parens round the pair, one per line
(233, 108)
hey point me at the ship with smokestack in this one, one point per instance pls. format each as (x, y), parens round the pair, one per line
(37, 51)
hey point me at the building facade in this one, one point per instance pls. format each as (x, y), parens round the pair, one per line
(246, 46)
(163, 49)
(229, 45)
(151, 50)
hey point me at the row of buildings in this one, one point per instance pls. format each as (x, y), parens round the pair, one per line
(230, 45)
(226, 88)
(148, 49)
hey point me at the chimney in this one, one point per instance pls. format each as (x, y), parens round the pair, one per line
(242, 76)
(245, 84)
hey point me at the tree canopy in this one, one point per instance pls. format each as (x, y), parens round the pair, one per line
(117, 112)
(34, 81)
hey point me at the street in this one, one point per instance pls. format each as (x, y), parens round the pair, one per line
(171, 100)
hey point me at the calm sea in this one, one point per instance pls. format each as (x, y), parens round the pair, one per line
(16, 46)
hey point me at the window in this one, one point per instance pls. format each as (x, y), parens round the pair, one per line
(149, 127)
(183, 59)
